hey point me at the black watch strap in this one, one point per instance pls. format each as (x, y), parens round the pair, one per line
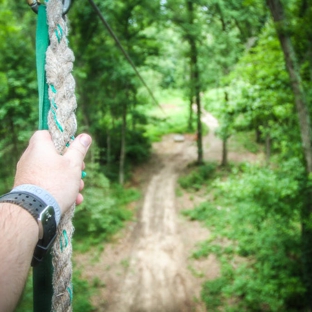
(43, 214)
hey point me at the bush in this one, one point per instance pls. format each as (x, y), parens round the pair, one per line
(81, 295)
(255, 219)
(103, 210)
(196, 178)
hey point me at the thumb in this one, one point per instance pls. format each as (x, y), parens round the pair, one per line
(78, 148)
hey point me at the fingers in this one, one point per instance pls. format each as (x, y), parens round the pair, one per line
(79, 199)
(81, 185)
(78, 149)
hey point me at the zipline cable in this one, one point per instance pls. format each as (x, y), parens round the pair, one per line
(124, 52)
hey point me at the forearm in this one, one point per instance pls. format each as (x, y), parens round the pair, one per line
(19, 235)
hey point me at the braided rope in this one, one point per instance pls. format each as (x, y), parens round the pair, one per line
(62, 126)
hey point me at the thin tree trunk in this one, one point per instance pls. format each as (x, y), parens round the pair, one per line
(191, 98)
(199, 131)
(133, 115)
(225, 135)
(15, 144)
(258, 134)
(123, 145)
(267, 148)
(190, 121)
(276, 9)
(224, 152)
(108, 150)
(195, 84)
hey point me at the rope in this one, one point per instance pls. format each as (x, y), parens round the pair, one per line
(62, 126)
(42, 274)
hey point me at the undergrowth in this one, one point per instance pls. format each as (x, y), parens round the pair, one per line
(195, 179)
(81, 295)
(104, 210)
(254, 219)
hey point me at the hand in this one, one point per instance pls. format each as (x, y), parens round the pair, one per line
(60, 175)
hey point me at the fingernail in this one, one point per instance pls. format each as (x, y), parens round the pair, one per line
(85, 140)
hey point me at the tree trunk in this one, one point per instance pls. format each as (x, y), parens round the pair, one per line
(191, 98)
(123, 145)
(195, 84)
(267, 148)
(226, 134)
(224, 152)
(258, 134)
(108, 150)
(276, 9)
(199, 131)
(295, 79)
(190, 121)
(15, 153)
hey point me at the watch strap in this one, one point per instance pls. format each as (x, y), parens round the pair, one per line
(45, 196)
(48, 238)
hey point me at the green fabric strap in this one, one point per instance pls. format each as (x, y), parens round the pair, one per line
(42, 42)
(42, 274)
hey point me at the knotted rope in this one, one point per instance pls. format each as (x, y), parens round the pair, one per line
(62, 126)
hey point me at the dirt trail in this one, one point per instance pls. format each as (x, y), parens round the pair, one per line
(157, 278)
(148, 268)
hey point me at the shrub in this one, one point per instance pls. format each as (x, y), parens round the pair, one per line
(255, 223)
(196, 178)
(103, 210)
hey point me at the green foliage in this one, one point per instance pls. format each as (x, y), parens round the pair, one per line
(103, 210)
(157, 127)
(17, 86)
(173, 119)
(82, 294)
(212, 293)
(81, 297)
(198, 177)
(26, 300)
(255, 219)
(246, 140)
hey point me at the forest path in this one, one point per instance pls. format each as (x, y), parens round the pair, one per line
(148, 268)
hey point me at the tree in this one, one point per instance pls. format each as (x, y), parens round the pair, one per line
(277, 12)
(185, 15)
(108, 109)
(18, 93)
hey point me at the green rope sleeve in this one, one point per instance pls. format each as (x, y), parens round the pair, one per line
(42, 274)
(42, 42)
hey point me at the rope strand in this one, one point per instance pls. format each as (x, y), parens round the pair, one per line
(62, 125)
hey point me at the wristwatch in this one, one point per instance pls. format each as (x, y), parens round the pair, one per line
(42, 213)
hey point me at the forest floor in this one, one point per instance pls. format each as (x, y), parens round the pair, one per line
(148, 266)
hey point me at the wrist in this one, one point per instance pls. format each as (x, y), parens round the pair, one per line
(42, 213)
(18, 225)
(19, 235)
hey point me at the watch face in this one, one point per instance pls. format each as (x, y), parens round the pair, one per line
(44, 218)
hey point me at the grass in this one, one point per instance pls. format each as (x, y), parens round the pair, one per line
(195, 179)
(173, 118)
(241, 141)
